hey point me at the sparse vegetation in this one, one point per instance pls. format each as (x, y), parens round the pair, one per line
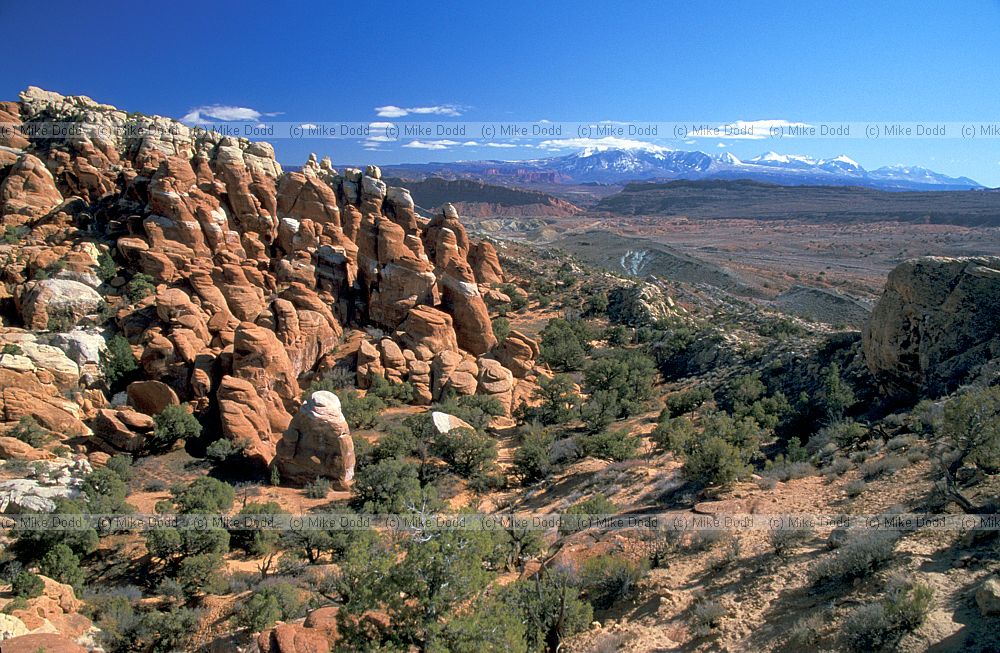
(173, 423)
(118, 361)
(139, 287)
(865, 552)
(608, 580)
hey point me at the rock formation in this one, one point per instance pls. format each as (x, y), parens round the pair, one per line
(935, 324)
(317, 443)
(234, 282)
(639, 305)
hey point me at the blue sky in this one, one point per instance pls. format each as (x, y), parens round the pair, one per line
(330, 61)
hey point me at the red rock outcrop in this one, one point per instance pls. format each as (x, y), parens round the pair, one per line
(517, 353)
(317, 443)
(496, 381)
(256, 275)
(244, 418)
(123, 429)
(151, 397)
(485, 262)
(28, 191)
(427, 331)
(259, 357)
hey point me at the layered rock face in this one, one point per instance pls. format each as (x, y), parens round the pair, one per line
(935, 324)
(257, 275)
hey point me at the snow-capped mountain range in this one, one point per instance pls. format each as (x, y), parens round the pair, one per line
(613, 165)
(610, 165)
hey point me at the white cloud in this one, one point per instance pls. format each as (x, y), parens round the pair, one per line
(606, 143)
(439, 145)
(747, 129)
(431, 145)
(223, 112)
(392, 111)
(503, 145)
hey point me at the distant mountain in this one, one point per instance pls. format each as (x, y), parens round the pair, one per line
(479, 200)
(606, 165)
(741, 198)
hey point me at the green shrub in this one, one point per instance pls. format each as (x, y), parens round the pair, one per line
(723, 453)
(607, 580)
(845, 433)
(32, 544)
(121, 465)
(387, 486)
(610, 445)
(629, 374)
(686, 401)
(783, 540)
(173, 423)
(558, 399)
(477, 410)
(117, 361)
(468, 452)
(257, 613)
(837, 397)
(31, 432)
(715, 461)
(319, 488)
(804, 635)
(532, 459)
(61, 564)
(107, 269)
(549, 606)
(360, 412)
(11, 235)
(12, 349)
(205, 495)
(617, 335)
(339, 378)
(105, 492)
(501, 328)
(565, 344)
(599, 410)
(123, 630)
(879, 467)
(201, 574)
(60, 323)
(855, 488)
(139, 287)
(597, 304)
(270, 603)
(256, 541)
(27, 585)
(907, 602)
(393, 394)
(971, 424)
(880, 626)
(676, 435)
